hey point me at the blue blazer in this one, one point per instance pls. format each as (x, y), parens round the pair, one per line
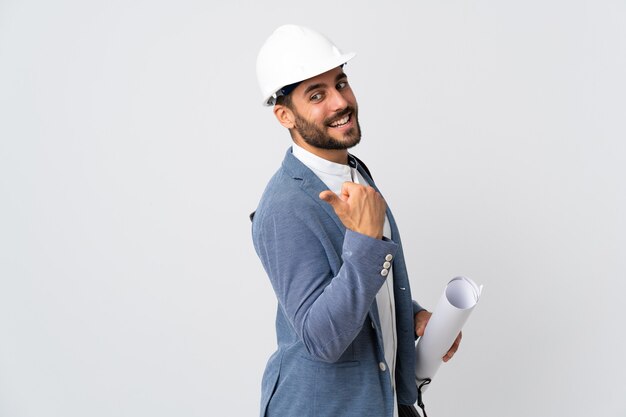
(330, 359)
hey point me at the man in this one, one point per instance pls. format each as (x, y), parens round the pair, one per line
(346, 324)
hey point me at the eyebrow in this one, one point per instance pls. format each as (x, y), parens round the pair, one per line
(339, 76)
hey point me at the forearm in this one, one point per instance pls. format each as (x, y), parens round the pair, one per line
(335, 317)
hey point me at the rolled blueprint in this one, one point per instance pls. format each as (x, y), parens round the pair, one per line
(450, 314)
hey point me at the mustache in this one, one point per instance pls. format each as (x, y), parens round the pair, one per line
(339, 115)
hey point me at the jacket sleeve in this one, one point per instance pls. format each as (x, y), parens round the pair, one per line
(326, 310)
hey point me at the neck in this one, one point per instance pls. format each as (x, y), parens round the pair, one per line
(339, 156)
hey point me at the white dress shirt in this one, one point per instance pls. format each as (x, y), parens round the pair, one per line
(334, 175)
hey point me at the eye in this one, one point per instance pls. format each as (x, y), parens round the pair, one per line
(316, 97)
(341, 85)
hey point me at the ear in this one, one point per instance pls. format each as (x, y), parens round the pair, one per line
(284, 116)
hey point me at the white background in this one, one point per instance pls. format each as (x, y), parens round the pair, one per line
(133, 146)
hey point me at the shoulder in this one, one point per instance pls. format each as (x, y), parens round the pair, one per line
(293, 188)
(290, 204)
(284, 196)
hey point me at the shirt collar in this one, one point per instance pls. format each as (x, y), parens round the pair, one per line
(317, 163)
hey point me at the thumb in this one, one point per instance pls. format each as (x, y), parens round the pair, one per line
(335, 201)
(330, 197)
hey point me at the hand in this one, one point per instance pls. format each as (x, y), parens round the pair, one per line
(421, 320)
(360, 208)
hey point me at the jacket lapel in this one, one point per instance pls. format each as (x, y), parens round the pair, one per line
(310, 184)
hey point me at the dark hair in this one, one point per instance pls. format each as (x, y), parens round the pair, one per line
(285, 101)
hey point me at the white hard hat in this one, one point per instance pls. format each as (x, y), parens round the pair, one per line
(292, 54)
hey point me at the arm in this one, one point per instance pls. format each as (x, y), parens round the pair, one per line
(326, 303)
(326, 310)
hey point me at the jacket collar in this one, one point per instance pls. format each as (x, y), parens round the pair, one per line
(309, 183)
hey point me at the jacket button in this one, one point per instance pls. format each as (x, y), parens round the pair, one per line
(384, 272)
(387, 265)
(389, 257)
(382, 366)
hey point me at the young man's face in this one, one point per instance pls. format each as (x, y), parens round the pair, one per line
(326, 112)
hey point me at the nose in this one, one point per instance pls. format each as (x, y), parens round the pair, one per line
(337, 100)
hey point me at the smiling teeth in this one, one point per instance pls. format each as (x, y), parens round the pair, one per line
(341, 121)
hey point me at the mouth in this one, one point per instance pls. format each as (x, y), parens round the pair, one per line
(344, 121)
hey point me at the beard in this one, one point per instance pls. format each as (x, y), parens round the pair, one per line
(317, 136)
